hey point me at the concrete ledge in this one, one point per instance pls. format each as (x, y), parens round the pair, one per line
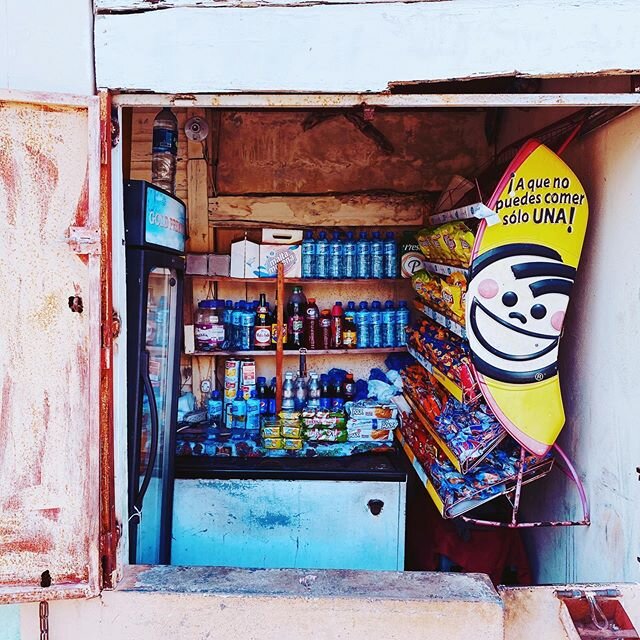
(296, 583)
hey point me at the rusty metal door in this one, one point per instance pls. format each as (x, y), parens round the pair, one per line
(50, 346)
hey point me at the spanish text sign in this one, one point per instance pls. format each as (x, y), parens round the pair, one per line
(522, 274)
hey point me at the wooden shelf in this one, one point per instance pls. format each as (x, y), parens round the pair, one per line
(308, 352)
(301, 280)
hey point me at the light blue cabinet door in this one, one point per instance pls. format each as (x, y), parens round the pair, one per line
(288, 524)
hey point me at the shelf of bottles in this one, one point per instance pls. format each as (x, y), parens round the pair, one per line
(349, 281)
(298, 352)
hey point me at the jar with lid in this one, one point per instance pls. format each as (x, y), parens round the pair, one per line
(209, 326)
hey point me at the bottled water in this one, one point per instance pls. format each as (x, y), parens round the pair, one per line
(300, 393)
(375, 323)
(236, 321)
(239, 415)
(349, 256)
(377, 256)
(288, 394)
(214, 408)
(164, 150)
(390, 256)
(335, 257)
(313, 391)
(388, 325)
(253, 415)
(402, 323)
(308, 255)
(362, 322)
(322, 256)
(247, 329)
(363, 256)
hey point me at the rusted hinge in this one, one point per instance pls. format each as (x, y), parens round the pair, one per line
(84, 241)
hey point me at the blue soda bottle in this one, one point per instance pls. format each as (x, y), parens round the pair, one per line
(377, 256)
(335, 257)
(263, 395)
(402, 323)
(362, 323)
(375, 322)
(214, 408)
(363, 256)
(322, 256)
(349, 256)
(272, 397)
(388, 325)
(308, 255)
(350, 311)
(390, 256)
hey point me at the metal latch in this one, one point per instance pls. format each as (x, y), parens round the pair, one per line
(594, 613)
(84, 241)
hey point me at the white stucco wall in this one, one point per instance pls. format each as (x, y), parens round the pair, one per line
(47, 46)
(600, 352)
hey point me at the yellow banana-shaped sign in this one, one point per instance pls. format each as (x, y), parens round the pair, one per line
(522, 273)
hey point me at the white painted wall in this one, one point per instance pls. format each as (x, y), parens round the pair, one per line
(361, 47)
(47, 46)
(600, 353)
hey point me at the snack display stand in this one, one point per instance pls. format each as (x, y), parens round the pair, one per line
(462, 468)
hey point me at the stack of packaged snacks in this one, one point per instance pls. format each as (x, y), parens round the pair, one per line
(283, 431)
(323, 425)
(455, 493)
(371, 421)
(465, 434)
(450, 243)
(444, 350)
(446, 295)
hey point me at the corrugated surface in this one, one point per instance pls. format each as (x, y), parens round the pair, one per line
(49, 356)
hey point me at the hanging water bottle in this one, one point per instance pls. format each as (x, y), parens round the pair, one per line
(322, 256)
(363, 256)
(388, 325)
(390, 256)
(349, 256)
(164, 150)
(362, 322)
(375, 324)
(402, 323)
(377, 256)
(308, 255)
(335, 257)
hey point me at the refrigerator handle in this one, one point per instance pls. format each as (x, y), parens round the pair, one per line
(153, 411)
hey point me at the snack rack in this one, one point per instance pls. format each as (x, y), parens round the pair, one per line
(469, 394)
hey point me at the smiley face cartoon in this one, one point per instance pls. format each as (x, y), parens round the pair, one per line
(517, 298)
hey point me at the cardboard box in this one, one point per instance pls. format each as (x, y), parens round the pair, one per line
(245, 259)
(196, 264)
(271, 254)
(219, 265)
(281, 236)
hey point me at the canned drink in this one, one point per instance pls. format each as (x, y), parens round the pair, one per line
(248, 373)
(231, 369)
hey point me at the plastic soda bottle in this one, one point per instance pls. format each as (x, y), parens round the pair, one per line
(313, 391)
(377, 256)
(308, 251)
(253, 415)
(322, 256)
(335, 257)
(402, 323)
(349, 256)
(390, 256)
(164, 150)
(375, 322)
(214, 408)
(388, 325)
(336, 326)
(311, 324)
(363, 256)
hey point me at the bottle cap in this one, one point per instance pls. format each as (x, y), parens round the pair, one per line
(363, 235)
(308, 234)
(240, 394)
(252, 394)
(402, 303)
(322, 235)
(311, 300)
(336, 235)
(364, 305)
(376, 235)
(388, 304)
(261, 379)
(390, 235)
(215, 395)
(349, 235)
(376, 304)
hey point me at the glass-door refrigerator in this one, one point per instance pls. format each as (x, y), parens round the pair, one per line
(155, 239)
